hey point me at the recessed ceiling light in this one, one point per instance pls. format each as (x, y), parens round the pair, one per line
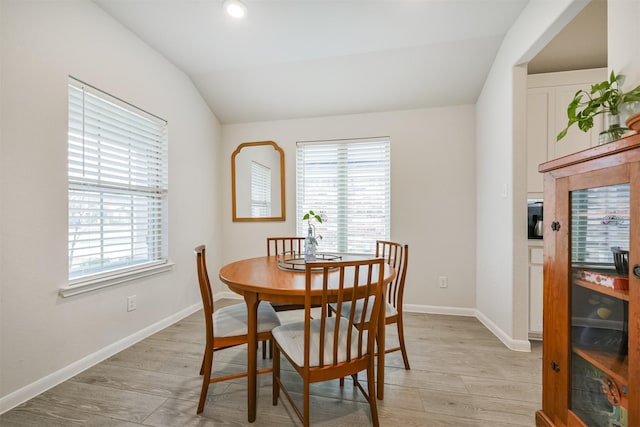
(235, 8)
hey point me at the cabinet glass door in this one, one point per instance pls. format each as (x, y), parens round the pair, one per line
(600, 305)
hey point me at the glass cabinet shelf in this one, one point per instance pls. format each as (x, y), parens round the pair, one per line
(611, 364)
(616, 293)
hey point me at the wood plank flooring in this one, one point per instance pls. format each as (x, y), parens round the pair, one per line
(461, 375)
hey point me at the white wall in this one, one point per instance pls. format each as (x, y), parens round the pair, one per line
(623, 48)
(43, 42)
(432, 193)
(501, 291)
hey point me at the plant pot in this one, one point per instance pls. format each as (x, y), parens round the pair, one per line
(633, 122)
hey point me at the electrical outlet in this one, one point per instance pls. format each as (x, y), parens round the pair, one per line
(443, 281)
(131, 303)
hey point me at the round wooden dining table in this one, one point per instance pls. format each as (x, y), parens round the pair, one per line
(263, 279)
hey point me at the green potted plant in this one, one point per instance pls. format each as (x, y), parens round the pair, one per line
(604, 97)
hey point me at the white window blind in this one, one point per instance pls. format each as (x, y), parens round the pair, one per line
(600, 219)
(118, 185)
(349, 181)
(260, 190)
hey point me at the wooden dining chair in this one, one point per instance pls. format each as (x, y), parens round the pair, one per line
(285, 245)
(397, 256)
(325, 348)
(280, 246)
(226, 327)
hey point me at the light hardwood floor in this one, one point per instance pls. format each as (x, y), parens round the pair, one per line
(461, 375)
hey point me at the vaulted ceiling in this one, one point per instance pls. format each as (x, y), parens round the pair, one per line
(307, 58)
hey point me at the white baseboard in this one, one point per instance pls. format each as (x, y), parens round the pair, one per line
(227, 295)
(436, 309)
(37, 387)
(516, 345)
(535, 336)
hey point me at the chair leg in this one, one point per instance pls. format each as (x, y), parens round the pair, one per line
(275, 374)
(307, 406)
(206, 379)
(264, 349)
(354, 377)
(403, 348)
(202, 364)
(373, 405)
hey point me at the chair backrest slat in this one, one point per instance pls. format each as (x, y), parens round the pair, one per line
(205, 289)
(397, 256)
(284, 245)
(342, 281)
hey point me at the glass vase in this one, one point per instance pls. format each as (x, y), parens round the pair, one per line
(613, 132)
(310, 244)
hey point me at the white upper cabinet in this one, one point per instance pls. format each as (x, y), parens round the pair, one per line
(548, 97)
(538, 132)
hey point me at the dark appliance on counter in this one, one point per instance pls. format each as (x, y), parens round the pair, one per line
(534, 219)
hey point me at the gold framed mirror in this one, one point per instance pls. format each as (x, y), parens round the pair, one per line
(257, 182)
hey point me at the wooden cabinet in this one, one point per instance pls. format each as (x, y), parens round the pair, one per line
(591, 353)
(547, 100)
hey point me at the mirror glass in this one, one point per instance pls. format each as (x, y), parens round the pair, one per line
(257, 182)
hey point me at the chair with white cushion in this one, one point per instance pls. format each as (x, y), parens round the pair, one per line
(396, 255)
(226, 327)
(325, 348)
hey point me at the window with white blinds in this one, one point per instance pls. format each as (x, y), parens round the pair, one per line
(349, 181)
(118, 186)
(260, 190)
(600, 219)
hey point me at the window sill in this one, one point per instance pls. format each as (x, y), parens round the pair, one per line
(116, 279)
